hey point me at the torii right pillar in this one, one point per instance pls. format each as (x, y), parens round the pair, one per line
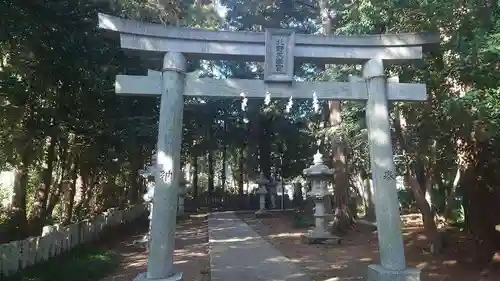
(392, 257)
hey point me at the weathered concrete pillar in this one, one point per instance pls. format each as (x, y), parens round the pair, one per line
(392, 257)
(168, 172)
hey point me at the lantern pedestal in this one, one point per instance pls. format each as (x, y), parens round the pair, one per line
(262, 212)
(376, 272)
(263, 182)
(327, 238)
(319, 234)
(176, 277)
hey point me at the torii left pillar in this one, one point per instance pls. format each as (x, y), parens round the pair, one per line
(167, 177)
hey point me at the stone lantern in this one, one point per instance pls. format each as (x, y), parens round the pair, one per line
(319, 174)
(262, 181)
(182, 194)
(148, 174)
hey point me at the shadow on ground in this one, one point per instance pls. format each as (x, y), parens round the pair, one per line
(359, 249)
(191, 254)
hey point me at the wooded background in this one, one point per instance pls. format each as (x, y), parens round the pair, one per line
(60, 119)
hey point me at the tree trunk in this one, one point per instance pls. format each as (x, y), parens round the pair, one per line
(55, 197)
(223, 168)
(420, 180)
(195, 175)
(87, 198)
(265, 147)
(369, 206)
(450, 197)
(343, 220)
(55, 194)
(135, 187)
(298, 197)
(38, 214)
(265, 154)
(430, 227)
(241, 177)
(224, 157)
(24, 145)
(85, 176)
(18, 206)
(479, 199)
(211, 173)
(123, 194)
(70, 199)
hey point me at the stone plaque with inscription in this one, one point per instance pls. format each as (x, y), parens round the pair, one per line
(279, 55)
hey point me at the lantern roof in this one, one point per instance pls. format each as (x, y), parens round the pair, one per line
(318, 168)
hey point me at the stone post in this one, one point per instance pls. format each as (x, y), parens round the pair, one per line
(262, 181)
(168, 172)
(319, 174)
(392, 257)
(182, 194)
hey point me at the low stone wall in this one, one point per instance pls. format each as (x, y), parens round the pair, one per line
(55, 240)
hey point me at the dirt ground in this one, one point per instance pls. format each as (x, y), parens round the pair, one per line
(359, 249)
(191, 255)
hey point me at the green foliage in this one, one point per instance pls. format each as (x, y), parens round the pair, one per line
(57, 73)
(81, 264)
(481, 106)
(4, 219)
(457, 217)
(56, 82)
(406, 199)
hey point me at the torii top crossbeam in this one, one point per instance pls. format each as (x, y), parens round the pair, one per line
(197, 43)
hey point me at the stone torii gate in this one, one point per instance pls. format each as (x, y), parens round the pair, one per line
(279, 49)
